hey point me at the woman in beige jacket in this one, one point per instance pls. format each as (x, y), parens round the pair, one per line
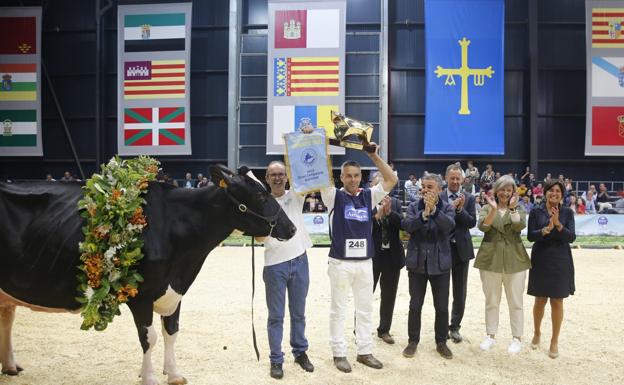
(502, 260)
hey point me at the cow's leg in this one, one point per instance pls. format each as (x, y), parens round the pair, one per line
(142, 313)
(9, 366)
(170, 329)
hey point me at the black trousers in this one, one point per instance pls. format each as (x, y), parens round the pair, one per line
(388, 278)
(459, 274)
(417, 289)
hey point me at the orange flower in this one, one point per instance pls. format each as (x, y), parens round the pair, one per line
(92, 210)
(116, 261)
(125, 292)
(153, 169)
(115, 194)
(101, 231)
(93, 264)
(143, 184)
(138, 218)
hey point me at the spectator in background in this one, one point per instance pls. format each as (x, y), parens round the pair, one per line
(522, 189)
(529, 193)
(497, 176)
(49, 178)
(525, 202)
(478, 204)
(188, 180)
(590, 202)
(580, 206)
(569, 187)
(572, 202)
(548, 177)
(168, 180)
(538, 191)
(488, 178)
(532, 181)
(67, 177)
(203, 182)
(471, 179)
(200, 176)
(525, 178)
(602, 200)
(411, 188)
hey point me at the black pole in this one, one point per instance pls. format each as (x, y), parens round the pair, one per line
(533, 89)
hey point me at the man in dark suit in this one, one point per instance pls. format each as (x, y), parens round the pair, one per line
(388, 260)
(461, 243)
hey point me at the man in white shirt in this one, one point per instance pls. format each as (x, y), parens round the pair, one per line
(286, 269)
(350, 258)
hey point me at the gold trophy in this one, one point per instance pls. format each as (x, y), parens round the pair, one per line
(351, 133)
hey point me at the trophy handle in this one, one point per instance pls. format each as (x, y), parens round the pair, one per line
(366, 147)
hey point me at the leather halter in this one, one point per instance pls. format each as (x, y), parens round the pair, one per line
(271, 220)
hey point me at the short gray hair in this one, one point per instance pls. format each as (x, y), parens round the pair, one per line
(455, 166)
(503, 182)
(276, 162)
(436, 177)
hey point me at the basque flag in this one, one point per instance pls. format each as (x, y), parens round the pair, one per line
(464, 77)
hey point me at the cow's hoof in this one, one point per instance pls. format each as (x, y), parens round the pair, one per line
(177, 381)
(12, 372)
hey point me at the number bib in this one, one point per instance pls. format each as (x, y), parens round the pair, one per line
(355, 248)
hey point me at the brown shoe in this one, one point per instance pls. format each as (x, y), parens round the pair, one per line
(369, 360)
(386, 337)
(342, 364)
(410, 350)
(444, 350)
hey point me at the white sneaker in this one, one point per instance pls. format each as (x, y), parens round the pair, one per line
(515, 347)
(487, 343)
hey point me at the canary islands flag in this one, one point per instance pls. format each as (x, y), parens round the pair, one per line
(464, 77)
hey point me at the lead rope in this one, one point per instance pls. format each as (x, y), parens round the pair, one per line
(253, 292)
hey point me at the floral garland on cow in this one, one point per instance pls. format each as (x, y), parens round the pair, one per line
(113, 208)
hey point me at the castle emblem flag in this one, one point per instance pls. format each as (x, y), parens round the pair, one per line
(464, 77)
(311, 28)
(607, 126)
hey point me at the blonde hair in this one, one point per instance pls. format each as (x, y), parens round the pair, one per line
(503, 182)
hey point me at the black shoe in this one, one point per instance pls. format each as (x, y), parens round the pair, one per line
(276, 370)
(455, 336)
(304, 362)
(342, 364)
(386, 337)
(410, 350)
(444, 350)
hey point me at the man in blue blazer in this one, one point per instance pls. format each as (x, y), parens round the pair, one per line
(430, 222)
(462, 249)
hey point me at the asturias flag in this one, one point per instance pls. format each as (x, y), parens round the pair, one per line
(465, 77)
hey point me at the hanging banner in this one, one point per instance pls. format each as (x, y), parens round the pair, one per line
(20, 92)
(604, 132)
(307, 161)
(465, 77)
(153, 99)
(306, 67)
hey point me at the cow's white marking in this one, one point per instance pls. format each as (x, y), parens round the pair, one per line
(147, 370)
(7, 315)
(170, 367)
(168, 303)
(252, 176)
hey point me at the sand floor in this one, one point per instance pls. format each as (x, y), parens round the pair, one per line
(215, 347)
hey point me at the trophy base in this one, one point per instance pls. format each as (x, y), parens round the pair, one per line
(356, 146)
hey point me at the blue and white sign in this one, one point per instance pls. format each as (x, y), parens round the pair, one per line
(307, 160)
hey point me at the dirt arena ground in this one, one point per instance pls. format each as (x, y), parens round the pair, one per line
(215, 346)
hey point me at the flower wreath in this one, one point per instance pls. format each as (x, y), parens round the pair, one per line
(112, 206)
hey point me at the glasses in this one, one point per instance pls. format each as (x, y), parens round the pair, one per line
(277, 176)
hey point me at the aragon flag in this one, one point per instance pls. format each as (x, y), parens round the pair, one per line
(18, 35)
(464, 77)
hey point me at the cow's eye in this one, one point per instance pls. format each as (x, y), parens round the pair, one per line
(261, 197)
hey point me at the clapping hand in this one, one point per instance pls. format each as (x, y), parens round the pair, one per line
(554, 216)
(459, 202)
(491, 201)
(430, 202)
(385, 206)
(513, 202)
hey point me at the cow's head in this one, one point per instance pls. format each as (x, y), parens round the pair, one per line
(256, 212)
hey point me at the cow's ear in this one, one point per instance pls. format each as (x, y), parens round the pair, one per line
(243, 170)
(221, 176)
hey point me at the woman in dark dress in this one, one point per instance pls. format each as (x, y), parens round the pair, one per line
(551, 227)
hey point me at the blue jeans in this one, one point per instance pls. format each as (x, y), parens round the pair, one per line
(292, 275)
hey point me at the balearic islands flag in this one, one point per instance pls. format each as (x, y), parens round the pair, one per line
(155, 32)
(311, 28)
(289, 118)
(158, 79)
(18, 127)
(306, 76)
(159, 126)
(18, 35)
(19, 82)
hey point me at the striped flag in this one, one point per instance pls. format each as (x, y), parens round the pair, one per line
(156, 79)
(155, 32)
(19, 35)
(608, 27)
(18, 128)
(19, 82)
(290, 118)
(157, 126)
(306, 76)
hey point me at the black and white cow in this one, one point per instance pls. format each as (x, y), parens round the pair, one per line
(40, 228)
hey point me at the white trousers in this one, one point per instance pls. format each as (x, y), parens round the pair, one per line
(514, 291)
(357, 277)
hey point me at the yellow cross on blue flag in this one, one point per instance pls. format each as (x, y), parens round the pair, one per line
(465, 77)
